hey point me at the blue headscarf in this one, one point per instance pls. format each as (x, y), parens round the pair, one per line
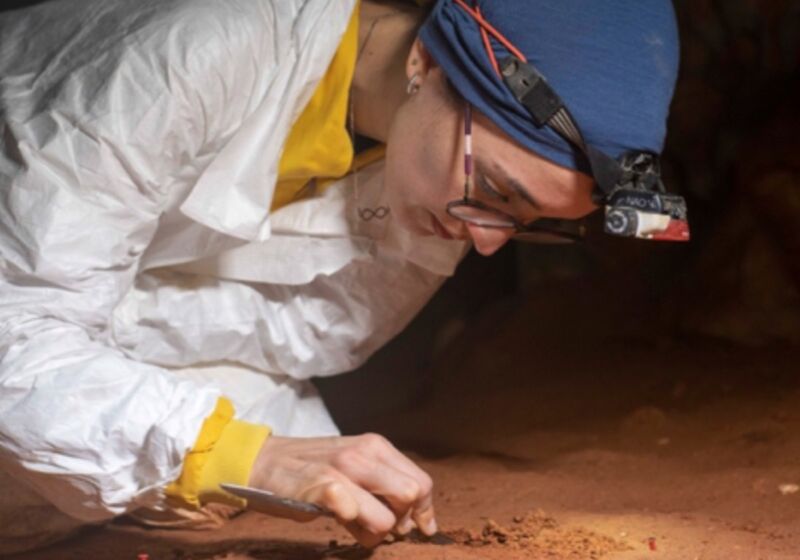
(613, 62)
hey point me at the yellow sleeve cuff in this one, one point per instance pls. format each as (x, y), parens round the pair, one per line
(225, 451)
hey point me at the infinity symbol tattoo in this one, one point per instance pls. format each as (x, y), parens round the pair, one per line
(368, 214)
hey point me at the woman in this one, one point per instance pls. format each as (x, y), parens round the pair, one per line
(182, 247)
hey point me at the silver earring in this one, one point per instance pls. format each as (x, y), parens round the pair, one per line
(413, 84)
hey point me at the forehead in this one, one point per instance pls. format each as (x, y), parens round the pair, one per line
(556, 188)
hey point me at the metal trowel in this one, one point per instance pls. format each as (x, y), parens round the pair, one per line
(265, 501)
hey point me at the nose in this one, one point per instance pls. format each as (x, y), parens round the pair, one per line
(488, 240)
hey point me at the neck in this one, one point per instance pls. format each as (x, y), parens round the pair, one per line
(386, 32)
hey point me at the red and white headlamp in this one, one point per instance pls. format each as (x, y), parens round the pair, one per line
(636, 202)
(638, 206)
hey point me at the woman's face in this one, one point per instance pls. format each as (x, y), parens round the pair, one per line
(425, 170)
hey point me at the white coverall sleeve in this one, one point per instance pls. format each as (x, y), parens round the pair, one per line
(328, 326)
(92, 146)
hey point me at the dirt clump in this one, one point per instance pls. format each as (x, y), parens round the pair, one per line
(542, 536)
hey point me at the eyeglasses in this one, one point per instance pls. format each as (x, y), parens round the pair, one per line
(471, 211)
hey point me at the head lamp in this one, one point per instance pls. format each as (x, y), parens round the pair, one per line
(636, 202)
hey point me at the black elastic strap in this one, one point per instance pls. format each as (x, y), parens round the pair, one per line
(547, 109)
(531, 89)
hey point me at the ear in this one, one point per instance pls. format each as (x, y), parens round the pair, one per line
(419, 60)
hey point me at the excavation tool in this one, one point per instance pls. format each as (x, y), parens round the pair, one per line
(264, 501)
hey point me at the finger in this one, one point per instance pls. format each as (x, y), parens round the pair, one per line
(352, 504)
(398, 489)
(373, 515)
(393, 457)
(425, 518)
(364, 537)
(335, 496)
(423, 512)
(404, 525)
(312, 483)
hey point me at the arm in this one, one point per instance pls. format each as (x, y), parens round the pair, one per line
(100, 130)
(327, 326)
(91, 429)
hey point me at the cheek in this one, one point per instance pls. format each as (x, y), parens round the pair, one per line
(414, 173)
(429, 169)
(412, 187)
(573, 201)
(438, 165)
(421, 167)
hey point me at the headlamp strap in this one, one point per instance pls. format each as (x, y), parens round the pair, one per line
(531, 89)
(547, 109)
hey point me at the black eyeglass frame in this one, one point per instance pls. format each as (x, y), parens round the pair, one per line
(541, 230)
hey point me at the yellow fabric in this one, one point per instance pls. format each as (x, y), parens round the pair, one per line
(231, 461)
(224, 452)
(318, 145)
(361, 160)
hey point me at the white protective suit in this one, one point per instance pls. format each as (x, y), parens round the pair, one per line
(141, 274)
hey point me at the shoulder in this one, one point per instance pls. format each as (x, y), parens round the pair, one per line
(79, 34)
(274, 24)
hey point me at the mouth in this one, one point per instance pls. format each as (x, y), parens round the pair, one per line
(439, 229)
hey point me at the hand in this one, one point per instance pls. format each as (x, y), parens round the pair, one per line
(369, 485)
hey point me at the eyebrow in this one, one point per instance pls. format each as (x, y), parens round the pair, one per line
(517, 187)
